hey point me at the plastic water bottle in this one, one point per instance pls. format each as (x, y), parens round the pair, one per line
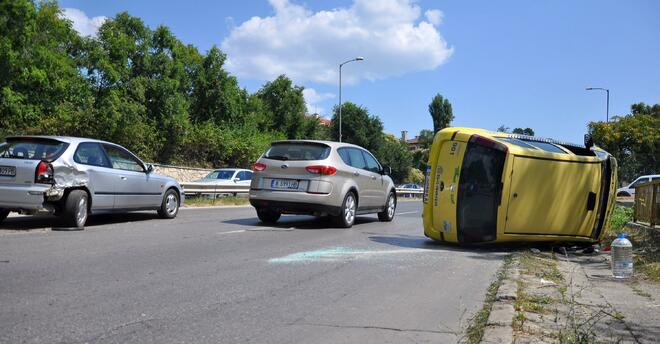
(622, 258)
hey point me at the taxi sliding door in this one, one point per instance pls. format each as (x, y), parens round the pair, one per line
(552, 197)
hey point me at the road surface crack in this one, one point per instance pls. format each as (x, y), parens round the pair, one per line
(385, 328)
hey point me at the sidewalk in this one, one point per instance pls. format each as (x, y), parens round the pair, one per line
(549, 297)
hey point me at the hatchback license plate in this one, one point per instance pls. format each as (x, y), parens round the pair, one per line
(284, 184)
(7, 171)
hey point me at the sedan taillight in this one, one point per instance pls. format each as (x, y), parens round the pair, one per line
(258, 166)
(321, 169)
(44, 173)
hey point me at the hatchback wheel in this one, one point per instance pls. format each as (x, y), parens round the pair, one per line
(3, 215)
(268, 216)
(75, 209)
(346, 218)
(387, 214)
(170, 206)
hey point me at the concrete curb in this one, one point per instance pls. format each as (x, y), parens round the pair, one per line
(500, 320)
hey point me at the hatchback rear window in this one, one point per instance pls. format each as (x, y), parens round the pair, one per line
(32, 149)
(297, 151)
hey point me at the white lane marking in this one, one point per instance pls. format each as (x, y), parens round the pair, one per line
(336, 253)
(232, 232)
(408, 212)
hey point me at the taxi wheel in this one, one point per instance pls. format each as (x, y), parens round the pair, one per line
(268, 216)
(3, 215)
(387, 214)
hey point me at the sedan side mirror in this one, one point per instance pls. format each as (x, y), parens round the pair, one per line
(150, 168)
(236, 180)
(386, 171)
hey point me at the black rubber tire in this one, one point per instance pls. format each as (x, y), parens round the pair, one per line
(163, 211)
(384, 216)
(3, 215)
(268, 216)
(76, 209)
(341, 219)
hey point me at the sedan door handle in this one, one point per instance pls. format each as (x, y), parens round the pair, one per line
(373, 177)
(356, 173)
(122, 178)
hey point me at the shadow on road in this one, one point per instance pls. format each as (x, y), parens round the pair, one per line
(486, 251)
(299, 222)
(27, 223)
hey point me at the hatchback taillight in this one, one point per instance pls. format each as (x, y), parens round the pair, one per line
(257, 166)
(44, 173)
(321, 169)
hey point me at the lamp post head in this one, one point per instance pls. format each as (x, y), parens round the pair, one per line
(359, 58)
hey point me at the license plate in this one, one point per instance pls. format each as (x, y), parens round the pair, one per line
(7, 171)
(287, 184)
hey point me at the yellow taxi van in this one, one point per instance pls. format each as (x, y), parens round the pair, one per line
(484, 186)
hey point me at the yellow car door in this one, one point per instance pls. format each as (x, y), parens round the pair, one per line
(552, 196)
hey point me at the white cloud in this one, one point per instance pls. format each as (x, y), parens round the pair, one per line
(308, 46)
(434, 16)
(312, 98)
(85, 25)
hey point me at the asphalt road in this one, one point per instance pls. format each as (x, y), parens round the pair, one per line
(218, 276)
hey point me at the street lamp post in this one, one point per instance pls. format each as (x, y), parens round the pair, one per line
(608, 99)
(359, 58)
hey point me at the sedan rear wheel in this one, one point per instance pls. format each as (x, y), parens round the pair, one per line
(268, 216)
(347, 217)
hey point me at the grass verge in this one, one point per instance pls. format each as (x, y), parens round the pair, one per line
(475, 331)
(208, 201)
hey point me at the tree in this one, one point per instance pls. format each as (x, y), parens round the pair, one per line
(634, 140)
(426, 138)
(441, 112)
(395, 154)
(358, 126)
(285, 105)
(526, 131)
(503, 129)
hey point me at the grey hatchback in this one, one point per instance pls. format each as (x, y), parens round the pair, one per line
(321, 178)
(74, 177)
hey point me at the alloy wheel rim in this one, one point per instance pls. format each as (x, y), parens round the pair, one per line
(349, 210)
(390, 207)
(171, 204)
(81, 213)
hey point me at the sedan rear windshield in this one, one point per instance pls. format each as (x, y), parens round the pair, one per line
(297, 151)
(32, 149)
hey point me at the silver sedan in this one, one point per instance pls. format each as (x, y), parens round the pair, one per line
(74, 177)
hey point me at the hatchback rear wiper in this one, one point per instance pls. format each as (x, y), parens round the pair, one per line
(277, 157)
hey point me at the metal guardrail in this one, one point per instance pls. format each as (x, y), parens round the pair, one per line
(647, 203)
(194, 188)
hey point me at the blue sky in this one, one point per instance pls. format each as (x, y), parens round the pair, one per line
(517, 63)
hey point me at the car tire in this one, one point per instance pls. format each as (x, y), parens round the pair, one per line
(170, 205)
(3, 215)
(76, 209)
(268, 216)
(387, 214)
(346, 218)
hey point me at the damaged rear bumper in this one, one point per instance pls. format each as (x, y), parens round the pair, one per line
(30, 198)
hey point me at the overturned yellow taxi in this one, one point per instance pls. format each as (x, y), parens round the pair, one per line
(484, 186)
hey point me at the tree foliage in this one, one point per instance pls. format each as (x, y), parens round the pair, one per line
(136, 86)
(633, 139)
(526, 131)
(441, 112)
